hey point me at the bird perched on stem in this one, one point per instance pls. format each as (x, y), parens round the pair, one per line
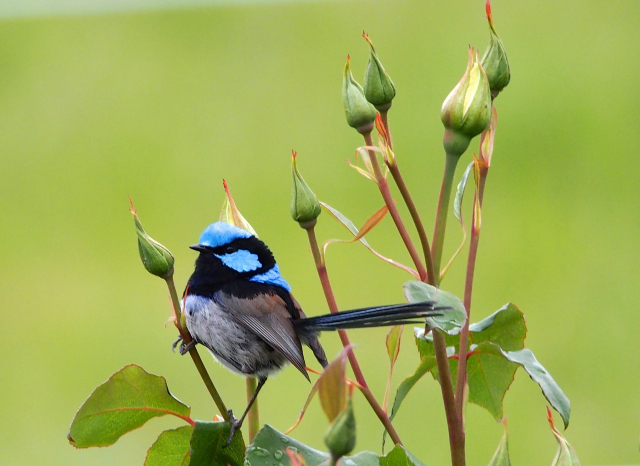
(241, 309)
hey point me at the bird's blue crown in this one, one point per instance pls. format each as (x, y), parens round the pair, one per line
(221, 233)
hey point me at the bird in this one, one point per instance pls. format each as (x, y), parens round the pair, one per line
(238, 305)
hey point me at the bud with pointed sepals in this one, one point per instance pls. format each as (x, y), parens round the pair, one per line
(157, 259)
(466, 111)
(378, 87)
(494, 61)
(231, 214)
(305, 207)
(359, 112)
(341, 435)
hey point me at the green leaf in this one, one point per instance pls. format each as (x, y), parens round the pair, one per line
(506, 328)
(123, 403)
(497, 353)
(551, 390)
(452, 319)
(501, 456)
(565, 454)
(269, 448)
(399, 456)
(207, 445)
(171, 448)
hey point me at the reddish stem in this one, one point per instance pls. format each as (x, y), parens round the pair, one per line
(468, 288)
(344, 338)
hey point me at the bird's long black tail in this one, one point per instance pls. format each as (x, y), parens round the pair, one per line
(379, 316)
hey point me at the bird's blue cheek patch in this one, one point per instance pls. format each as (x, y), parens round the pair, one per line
(240, 261)
(272, 277)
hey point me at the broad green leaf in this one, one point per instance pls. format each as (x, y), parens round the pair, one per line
(207, 445)
(506, 328)
(457, 211)
(426, 364)
(123, 403)
(399, 456)
(551, 390)
(349, 225)
(501, 456)
(489, 376)
(491, 368)
(565, 454)
(269, 448)
(490, 372)
(452, 319)
(171, 448)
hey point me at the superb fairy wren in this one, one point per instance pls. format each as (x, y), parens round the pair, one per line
(240, 308)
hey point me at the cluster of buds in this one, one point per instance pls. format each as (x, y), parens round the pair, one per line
(360, 104)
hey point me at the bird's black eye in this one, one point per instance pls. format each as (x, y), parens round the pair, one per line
(230, 249)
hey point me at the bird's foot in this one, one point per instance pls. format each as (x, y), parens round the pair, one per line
(235, 425)
(184, 348)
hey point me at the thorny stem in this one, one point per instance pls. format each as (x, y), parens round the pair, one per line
(344, 338)
(468, 286)
(253, 416)
(193, 352)
(388, 200)
(441, 216)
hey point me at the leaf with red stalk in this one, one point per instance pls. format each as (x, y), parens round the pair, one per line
(349, 225)
(487, 137)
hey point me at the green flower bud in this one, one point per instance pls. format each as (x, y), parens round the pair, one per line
(341, 435)
(360, 113)
(305, 207)
(494, 61)
(466, 111)
(378, 87)
(157, 259)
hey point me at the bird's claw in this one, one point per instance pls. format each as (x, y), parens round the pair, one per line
(184, 348)
(235, 425)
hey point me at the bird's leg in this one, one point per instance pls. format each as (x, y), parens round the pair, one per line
(237, 423)
(184, 349)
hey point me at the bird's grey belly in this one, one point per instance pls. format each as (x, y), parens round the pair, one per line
(235, 347)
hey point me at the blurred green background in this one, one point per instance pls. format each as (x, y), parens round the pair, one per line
(161, 105)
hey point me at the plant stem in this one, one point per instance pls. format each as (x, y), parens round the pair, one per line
(454, 416)
(415, 216)
(388, 200)
(193, 352)
(253, 417)
(468, 287)
(344, 338)
(451, 162)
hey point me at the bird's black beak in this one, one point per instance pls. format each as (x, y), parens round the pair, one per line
(197, 247)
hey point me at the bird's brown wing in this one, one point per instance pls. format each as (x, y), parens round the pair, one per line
(267, 316)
